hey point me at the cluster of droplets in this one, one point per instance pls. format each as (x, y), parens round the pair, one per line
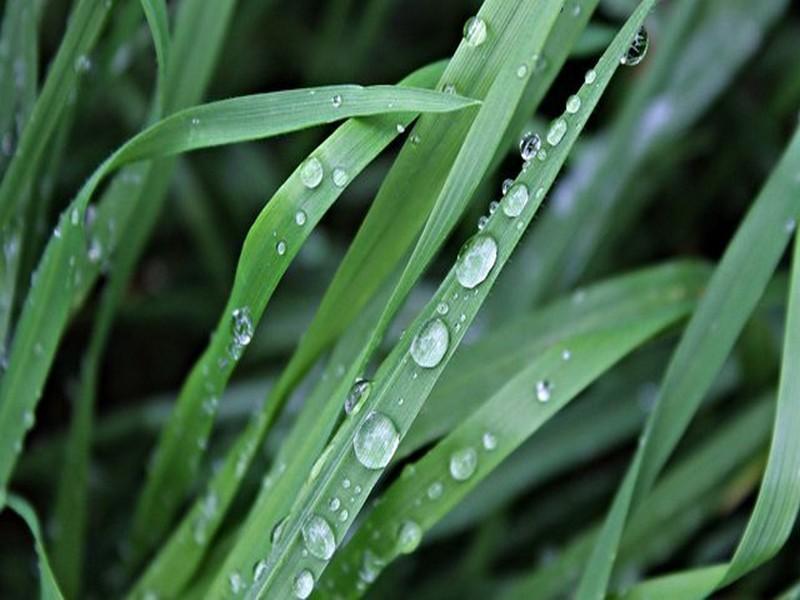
(242, 330)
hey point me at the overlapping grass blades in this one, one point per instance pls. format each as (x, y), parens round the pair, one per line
(735, 288)
(399, 378)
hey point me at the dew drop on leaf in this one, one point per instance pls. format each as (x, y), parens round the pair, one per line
(637, 50)
(516, 200)
(435, 490)
(489, 441)
(556, 132)
(318, 537)
(475, 31)
(303, 584)
(463, 464)
(357, 396)
(340, 177)
(544, 390)
(529, 145)
(409, 535)
(590, 77)
(476, 260)
(573, 104)
(376, 441)
(312, 172)
(242, 326)
(430, 344)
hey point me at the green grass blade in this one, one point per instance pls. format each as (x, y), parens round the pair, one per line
(399, 377)
(735, 288)
(49, 589)
(155, 12)
(489, 435)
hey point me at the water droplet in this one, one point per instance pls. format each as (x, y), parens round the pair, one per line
(463, 464)
(236, 582)
(409, 535)
(357, 396)
(259, 570)
(442, 308)
(318, 537)
(529, 145)
(275, 536)
(376, 441)
(345, 483)
(475, 31)
(300, 218)
(791, 225)
(539, 63)
(522, 71)
(637, 50)
(449, 88)
(280, 247)
(340, 177)
(400, 128)
(28, 419)
(435, 490)
(430, 344)
(95, 251)
(544, 390)
(476, 260)
(493, 207)
(303, 584)
(83, 64)
(334, 504)
(415, 139)
(573, 104)
(242, 326)
(541, 155)
(516, 200)
(482, 223)
(590, 77)
(312, 172)
(507, 183)
(336, 101)
(557, 131)
(489, 441)
(566, 354)
(343, 515)
(195, 121)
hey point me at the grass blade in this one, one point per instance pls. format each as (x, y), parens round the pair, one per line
(157, 18)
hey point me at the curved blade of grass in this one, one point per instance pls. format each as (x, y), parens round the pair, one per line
(735, 288)
(46, 309)
(155, 12)
(49, 589)
(399, 376)
(352, 147)
(478, 370)
(491, 433)
(778, 501)
(678, 493)
(86, 21)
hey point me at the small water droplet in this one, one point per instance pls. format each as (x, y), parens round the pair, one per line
(303, 584)
(400, 128)
(300, 218)
(357, 396)
(449, 88)
(573, 104)
(318, 537)
(275, 536)
(337, 101)
(435, 490)
(522, 71)
(476, 260)
(529, 145)
(544, 390)
(280, 247)
(442, 308)
(346, 483)
(566, 354)
(463, 464)
(493, 207)
(334, 504)
(516, 200)
(590, 77)
(259, 570)
(28, 419)
(83, 64)
(236, 582)
(482, 223)
(95, 251)
(475, 31)
(507, 183)
(557, 131)
(791, 225)
(343, 515)
(312, 172)
(376, 441)
(340, 177)
(539, 63)
(242, 326)
(637, 50)
(409, 535)
(430, 344)
(576, 10)
(489, 441)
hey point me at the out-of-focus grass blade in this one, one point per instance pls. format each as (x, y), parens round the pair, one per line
(402, 384)
(678, 493)
(734, 290)
(351, 148)
(431, 487)
(157, 18)
(46, 308)
(86, 21)
(49, 589)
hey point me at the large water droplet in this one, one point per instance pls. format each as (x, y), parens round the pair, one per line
(259, 570)
(476, 260)
(590, 77)
(463, 464)
(529, 145)
(312, 172)
(318, 537)
(544, 390)
(300, 218)
(516, 200)
(357, 396)
(303, 584)
(430, 344)
(337, 101)
(376, 441)
(557, 131)
(573, 104)
(475, 31)
(340, 177)
(242, 326)
(409, 535)
(637, 50)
